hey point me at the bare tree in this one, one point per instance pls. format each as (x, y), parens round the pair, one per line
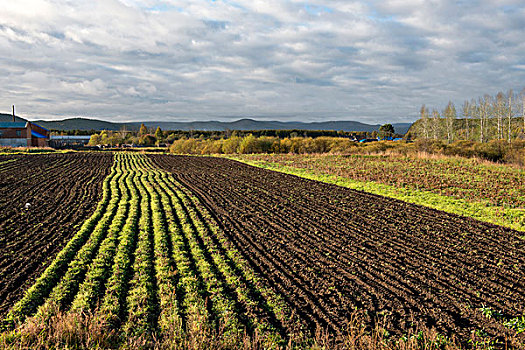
(475, 113)
(523, 109)
(450, 115)
(123, 132)
(484, 112)
(424, 119)
(436, 123)
(489, 111)
(480, 116)
(499, 110)
(466, 115)
(509, 114)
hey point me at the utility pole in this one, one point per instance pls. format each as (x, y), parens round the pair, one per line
(13, 113)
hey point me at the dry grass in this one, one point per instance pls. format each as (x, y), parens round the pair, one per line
(58, 330)
(4, 149)
(438, 156)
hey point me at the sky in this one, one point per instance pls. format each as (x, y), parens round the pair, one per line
(370, 61)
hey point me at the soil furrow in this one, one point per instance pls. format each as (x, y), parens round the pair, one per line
(328, 249)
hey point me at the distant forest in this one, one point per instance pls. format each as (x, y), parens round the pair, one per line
(151, 137)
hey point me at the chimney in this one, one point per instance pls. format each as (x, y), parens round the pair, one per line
(13, 113)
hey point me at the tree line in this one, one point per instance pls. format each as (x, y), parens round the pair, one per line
(499, 117)
(144, 137)
(155, 137)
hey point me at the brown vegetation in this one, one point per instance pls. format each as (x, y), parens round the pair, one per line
(495, 151)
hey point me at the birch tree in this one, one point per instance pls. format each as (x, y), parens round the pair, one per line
(523, 109)
(499, 111)
(450, 115)
(484, 106)
(480, 116)
(424, 120)
(509, 114)
(466, 114)
(436, 121)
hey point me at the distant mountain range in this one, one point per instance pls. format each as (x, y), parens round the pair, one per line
(242, 124)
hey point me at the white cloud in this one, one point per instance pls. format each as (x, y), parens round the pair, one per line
(328, 59)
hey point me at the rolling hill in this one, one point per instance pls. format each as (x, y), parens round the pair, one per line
(241, 124)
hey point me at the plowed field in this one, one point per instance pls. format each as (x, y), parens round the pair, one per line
(208, 253)
(148, 269)
(63, 190)
(329, 250)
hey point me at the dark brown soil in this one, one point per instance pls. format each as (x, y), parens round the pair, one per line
(330, 250)
(63, 191)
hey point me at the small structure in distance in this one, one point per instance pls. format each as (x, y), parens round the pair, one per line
(23, 134)
(69, 141)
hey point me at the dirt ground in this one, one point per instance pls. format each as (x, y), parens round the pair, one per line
(329, 250)
(62, 191)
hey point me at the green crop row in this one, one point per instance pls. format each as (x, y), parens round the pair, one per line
(170, 320)
(232, 274)
(222, 306)
(142, 299)
(50, 277)
(224, 265)
(239, 274)
(99, 269)
(117, 285)
(189, 289)
(152, 265)
(65, 291)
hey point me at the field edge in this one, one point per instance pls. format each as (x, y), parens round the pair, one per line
(482, 211)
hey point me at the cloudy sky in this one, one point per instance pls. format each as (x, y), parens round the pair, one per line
(372, 61)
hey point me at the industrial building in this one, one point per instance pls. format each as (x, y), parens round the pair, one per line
(23, 134)
(69, 141)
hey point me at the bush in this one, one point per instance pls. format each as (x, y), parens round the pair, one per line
(493, 150)
(251, 144)
(430, 146)
(230, 145)
(147, 140)
(496, 151)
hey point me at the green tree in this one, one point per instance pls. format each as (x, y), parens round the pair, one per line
(104, 136)
(147, 140)
(158, 134)
(143, 130)
(386, 130)
(94, 140)
(248, 145)
(230, 145)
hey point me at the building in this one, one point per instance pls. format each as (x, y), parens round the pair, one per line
(23, 134)
(69, 141)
